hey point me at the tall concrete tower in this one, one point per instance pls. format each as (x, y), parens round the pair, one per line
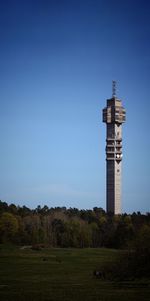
(113, 115)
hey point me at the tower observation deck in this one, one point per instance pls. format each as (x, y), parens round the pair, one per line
(113, 115)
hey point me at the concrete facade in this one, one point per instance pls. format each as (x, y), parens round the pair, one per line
(113, 115)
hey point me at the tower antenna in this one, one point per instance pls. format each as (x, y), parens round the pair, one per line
(114, 83)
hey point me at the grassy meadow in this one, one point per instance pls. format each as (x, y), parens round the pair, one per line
(62, 274)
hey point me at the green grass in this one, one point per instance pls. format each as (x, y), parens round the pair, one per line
(62, 275)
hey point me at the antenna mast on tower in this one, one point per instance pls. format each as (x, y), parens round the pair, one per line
(114, 83)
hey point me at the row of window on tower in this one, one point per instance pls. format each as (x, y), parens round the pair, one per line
(113, 114)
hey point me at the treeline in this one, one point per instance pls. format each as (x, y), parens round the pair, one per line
(61, 227)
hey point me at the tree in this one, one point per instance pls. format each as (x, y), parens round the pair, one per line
(13, 209)
(3, 207)
(8, 226)
(142, 242)
(58, 229)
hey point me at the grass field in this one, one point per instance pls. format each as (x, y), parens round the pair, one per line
(62, 275)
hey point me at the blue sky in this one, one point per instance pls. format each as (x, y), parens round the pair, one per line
(57, 63)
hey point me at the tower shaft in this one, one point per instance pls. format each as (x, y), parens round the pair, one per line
(113, 116)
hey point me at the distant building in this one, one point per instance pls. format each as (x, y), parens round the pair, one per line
(113, 115)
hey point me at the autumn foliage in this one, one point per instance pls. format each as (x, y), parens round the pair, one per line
(61, 227)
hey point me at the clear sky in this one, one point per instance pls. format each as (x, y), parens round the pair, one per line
(57, 62)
